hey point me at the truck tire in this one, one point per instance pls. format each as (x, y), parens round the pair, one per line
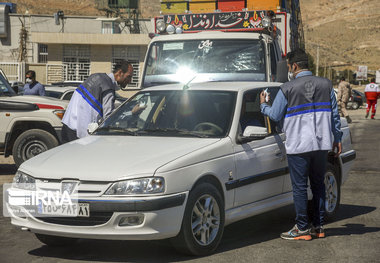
(202, 223)
(55, 241)
(31, 143)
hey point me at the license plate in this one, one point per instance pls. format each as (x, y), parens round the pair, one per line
(76, 209)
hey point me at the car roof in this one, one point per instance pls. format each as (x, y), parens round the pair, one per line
(217, 86)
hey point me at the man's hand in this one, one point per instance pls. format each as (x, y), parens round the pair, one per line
(262, 97)
(137, 109)
(337, 148)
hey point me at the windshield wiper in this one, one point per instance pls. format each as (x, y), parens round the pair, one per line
(116, 129)
(175, 131)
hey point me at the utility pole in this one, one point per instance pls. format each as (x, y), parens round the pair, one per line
(317, 71)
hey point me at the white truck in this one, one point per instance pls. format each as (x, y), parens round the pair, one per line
(232, 46)
(29, 125)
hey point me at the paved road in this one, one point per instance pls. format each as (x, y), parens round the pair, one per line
(354, 236)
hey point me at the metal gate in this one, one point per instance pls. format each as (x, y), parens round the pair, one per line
(77, 60)
(132, 54)
(14, 71)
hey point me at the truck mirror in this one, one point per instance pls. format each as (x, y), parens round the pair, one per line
(282, 71)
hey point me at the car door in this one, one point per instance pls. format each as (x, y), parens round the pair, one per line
(260, 164)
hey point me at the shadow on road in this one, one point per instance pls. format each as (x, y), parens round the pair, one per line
(245, 233)
(6, 169)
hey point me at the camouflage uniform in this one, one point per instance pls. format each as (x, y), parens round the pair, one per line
(344, 94)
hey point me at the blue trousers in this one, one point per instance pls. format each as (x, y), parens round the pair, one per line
(310, 165)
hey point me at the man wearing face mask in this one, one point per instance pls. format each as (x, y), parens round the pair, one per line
(308, 107)
(93, 100)
(33, 87)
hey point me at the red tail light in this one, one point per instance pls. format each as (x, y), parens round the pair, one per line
(48, 106)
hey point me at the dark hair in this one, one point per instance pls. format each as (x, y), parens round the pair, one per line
(373, 80)
(343, 78)
(32, 74)
(299, 57)
(122, 65)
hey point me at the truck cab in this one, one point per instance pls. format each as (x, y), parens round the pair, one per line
(232, 46)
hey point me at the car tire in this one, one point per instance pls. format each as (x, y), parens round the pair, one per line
(55, 241)
(332, 189)
(31, 143)
(203, 222)
(332, 185)
(354, 105)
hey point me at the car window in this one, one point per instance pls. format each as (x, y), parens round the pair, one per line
(251, 113)
(53, 94)
(5, 89)
(175, 113)
(68, 95)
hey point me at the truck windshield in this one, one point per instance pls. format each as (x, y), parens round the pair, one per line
(207, 60)
(173, 113)
(5, 88)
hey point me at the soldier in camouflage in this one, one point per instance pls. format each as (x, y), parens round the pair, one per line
(344, 94)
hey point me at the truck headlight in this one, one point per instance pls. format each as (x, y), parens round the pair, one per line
(24, 181)
(151, 185)
(160, 25)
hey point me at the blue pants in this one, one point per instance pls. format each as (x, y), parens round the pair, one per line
(310, 165)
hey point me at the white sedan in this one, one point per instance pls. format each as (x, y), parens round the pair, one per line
(172, 162)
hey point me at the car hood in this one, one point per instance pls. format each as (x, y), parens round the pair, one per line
(36, 100)
(109, 158)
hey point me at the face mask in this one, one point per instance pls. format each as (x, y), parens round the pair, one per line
(28, 80)
(290, 76)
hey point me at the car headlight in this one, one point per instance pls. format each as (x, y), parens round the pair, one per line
(151, 185)
(24, 181)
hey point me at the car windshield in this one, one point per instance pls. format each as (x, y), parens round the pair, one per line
(208, 60)
(53, 94)
(174, 113)
(5, 88)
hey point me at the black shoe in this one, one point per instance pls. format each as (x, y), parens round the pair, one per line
(366, 116)
(348, 119)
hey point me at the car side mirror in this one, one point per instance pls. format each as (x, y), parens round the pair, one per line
(92, 127)
(253, 133)
(282, 71)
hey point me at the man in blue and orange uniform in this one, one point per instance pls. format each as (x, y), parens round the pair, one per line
(308, 107)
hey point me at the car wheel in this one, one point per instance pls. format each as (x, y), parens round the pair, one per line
(332, 190)
(332, 185)
(55, 241)
(355, 105)
(203, 222)
(31, 143)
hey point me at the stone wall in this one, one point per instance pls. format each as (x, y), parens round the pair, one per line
(150, 8)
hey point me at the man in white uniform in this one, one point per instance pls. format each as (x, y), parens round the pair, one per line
(93, 100)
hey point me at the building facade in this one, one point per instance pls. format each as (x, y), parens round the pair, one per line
(70, 48)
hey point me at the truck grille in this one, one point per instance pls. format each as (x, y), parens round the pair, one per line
(95, 218)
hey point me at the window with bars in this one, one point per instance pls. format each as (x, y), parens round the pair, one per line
(77, 61)
(131, 54)
(42, 53)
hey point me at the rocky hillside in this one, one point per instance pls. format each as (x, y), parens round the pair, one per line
(347, 31)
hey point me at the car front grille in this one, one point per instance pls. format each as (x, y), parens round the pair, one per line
(95, 218)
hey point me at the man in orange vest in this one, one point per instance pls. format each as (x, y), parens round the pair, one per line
(372, 93)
